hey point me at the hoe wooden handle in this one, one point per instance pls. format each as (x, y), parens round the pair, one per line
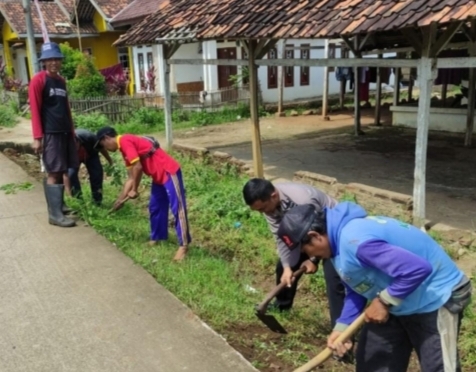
(272, 294)
(122, 202)
(327, 353)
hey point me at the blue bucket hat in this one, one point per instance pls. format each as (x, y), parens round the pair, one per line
(50, 51)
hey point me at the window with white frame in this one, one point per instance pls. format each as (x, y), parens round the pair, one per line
(123, 54)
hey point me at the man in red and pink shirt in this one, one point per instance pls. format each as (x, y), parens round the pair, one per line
(53, 130)
(144, 155)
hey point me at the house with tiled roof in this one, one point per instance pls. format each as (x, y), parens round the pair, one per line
(143, 57)
(299, 83)
(95, 34)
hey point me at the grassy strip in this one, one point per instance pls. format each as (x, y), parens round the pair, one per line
(230, 267)
(219, 271)
(150, 120)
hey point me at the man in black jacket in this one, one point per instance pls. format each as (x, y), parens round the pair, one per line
(89, 156)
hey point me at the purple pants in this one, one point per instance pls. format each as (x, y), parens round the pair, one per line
(171, 194)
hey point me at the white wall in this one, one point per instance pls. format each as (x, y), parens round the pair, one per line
(188, 73)
(209, 73)
(19, 64)
(296, 92)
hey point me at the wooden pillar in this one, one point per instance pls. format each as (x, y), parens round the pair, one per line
(165, 75)
(444, 92)
(256, 136)
(356, 91)
(378, 98)
(343, 83)
(396, 90)
(411, 82)
(471, 101)
(426, 70)
(167, 52)
(325, 88)
(281, 55)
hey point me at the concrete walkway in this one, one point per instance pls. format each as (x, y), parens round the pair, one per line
(70, 301)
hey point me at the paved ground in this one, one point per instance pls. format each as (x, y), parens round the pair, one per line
(70, 301)
(384, 157)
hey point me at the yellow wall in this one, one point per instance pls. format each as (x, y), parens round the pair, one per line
(131, 72)
(105, 55)
(7, 32)
(99, 22)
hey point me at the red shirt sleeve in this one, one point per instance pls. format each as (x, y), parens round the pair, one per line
(35, 95)
(128, 149)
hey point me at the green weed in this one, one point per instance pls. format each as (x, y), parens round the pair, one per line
(13, 188)
(232, 250)
(150, 120)
(348, 197)
(8, 115)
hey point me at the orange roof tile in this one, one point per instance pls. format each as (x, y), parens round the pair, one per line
(299, 19)
(111, 7)
(136, 11)
(57, 22)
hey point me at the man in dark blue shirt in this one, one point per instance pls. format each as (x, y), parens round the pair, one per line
(89, 156)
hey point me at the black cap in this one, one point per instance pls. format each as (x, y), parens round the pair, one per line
(101, 133)
(296, 224)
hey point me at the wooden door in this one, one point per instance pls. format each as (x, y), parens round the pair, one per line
(224, 72)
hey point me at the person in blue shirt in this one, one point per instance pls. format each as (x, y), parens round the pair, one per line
(416, 293)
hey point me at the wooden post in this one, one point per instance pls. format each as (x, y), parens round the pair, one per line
(378, 98)
(281, 54)
(168, 105)
(343, 83)
(411, 82)
(256, 136)
(470, 115)
(30, 37)
(325, 89)
(444, 91)
(396, 88)
(356, 90)
(77, 24)
(426, 70)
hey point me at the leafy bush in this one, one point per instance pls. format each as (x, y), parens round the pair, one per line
(117, 85)
(225, 115)
(149, 117)
(151, 78)
(92, 121)
(8, 117)
(82, 76)
(88, 81)
(9, 83)
(72, 59)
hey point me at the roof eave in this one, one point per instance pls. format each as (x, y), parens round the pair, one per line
(60, 36)
(126, 22)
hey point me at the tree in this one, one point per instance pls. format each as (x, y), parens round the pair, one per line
(88, 81)
(72, 59)
(82, 76)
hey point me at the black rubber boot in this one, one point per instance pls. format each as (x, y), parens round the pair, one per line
(64, 207)
(54, 198)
